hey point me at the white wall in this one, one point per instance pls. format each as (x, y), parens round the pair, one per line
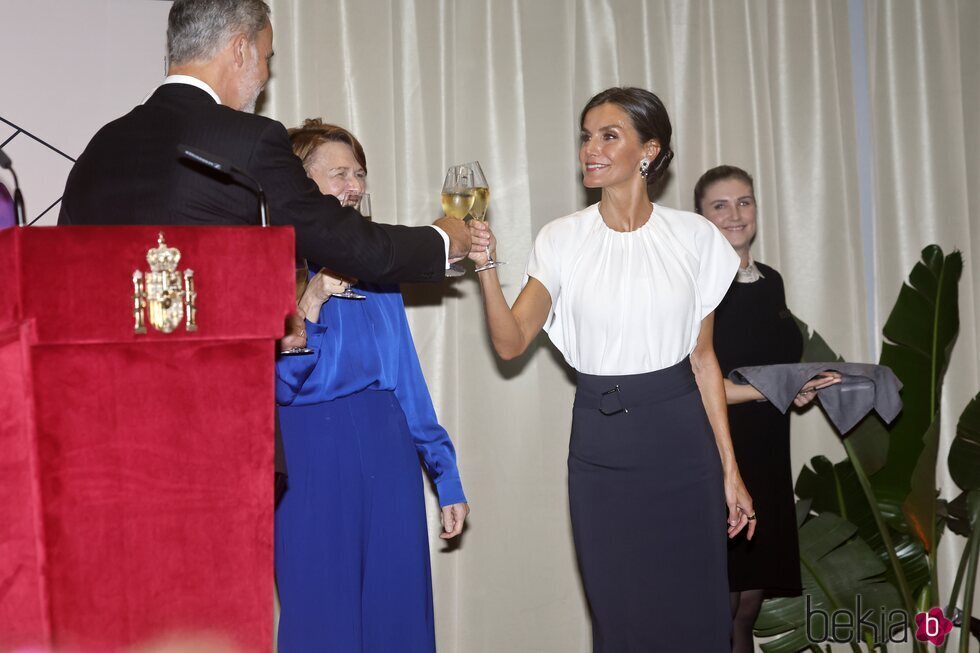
(71, 67)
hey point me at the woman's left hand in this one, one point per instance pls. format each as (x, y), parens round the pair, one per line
(809, 390)
(295, 331)
(740, 510)
(453, 517)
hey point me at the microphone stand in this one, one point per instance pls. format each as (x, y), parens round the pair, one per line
(229, 169)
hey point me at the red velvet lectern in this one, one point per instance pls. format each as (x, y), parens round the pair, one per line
(136, 476)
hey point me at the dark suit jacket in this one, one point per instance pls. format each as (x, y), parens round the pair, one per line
(130, 174)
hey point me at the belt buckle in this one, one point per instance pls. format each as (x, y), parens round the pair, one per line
(612, 394)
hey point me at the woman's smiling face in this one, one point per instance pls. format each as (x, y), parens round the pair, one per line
(730, 205)
(610, 150)
(336, 171)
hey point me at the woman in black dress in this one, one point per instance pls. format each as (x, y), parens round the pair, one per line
(754, 327)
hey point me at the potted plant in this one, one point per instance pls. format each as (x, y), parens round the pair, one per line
(870, 525)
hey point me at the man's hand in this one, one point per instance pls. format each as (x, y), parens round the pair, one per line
(459, 237)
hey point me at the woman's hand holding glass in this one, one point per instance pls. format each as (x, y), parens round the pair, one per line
(484, 244)
(293, 343)
(320, 288)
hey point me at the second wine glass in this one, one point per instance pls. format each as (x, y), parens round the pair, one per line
(481, 202)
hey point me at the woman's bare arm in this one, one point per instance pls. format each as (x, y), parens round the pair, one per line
(707, 372)
(511, 328)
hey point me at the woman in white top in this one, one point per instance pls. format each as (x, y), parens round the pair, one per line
(626, 290)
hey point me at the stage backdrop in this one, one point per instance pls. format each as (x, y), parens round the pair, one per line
(857, 118)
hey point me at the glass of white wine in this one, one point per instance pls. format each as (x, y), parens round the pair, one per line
(481, 201)
(364, 205)
(457, 200)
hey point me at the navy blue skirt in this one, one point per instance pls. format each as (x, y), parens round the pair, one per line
(648, 513)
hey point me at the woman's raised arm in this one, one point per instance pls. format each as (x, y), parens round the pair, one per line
(511, 328)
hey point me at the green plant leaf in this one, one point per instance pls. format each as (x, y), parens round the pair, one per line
(964, 452)
(837, 566)
(912, 557)
(802, 512)
(957, 515)
(834, 488)
(920, 334)
(919, 506)
(870, 441)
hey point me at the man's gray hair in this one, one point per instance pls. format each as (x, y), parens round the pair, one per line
(197, 29)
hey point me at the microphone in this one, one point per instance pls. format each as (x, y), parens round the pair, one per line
(19, 211)
(226, 168)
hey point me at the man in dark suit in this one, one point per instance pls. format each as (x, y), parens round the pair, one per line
(130, 173)
(219, 54)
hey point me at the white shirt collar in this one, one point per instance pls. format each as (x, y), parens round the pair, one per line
(186, 79)
(749, 274)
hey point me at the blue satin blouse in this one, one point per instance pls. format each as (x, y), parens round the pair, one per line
(367, 345)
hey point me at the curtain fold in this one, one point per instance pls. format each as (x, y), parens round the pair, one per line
(765, 85)
(925, 89)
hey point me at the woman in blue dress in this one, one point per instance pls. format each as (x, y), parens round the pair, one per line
(352, 556)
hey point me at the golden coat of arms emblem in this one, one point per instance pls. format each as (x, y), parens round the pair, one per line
(164, 294)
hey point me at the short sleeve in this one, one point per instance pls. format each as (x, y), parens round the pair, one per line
(718, 264)
(544, 264)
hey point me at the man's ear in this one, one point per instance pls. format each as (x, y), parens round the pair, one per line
(239, 48)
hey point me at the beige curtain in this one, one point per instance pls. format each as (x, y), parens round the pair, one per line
(769, 86)
(924, 88)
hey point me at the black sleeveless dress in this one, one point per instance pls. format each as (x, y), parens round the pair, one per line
(754, 327)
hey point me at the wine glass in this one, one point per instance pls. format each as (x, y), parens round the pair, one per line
(457, 200)
(302, 274)
(364, 205)
(481, 201)
(359, 201)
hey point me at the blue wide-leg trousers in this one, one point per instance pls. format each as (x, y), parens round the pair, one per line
(352, 555)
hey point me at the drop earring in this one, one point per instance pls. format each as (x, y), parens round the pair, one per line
(644, 167)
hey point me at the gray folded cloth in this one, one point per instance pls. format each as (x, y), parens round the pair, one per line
(862, 388)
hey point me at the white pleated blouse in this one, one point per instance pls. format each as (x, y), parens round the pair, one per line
(630, 303)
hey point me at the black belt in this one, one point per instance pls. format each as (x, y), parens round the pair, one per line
(611, 395)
